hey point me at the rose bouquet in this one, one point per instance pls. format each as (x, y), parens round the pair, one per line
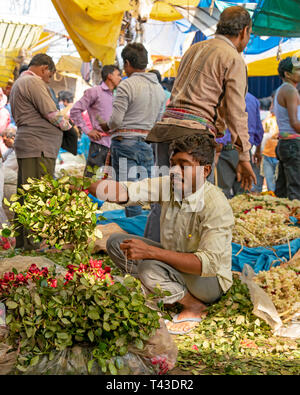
(47, 313)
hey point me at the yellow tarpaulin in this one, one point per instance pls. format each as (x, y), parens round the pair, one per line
(93, 25)
(69, 64)
(268, 66)
(13, 38)
(165, 11)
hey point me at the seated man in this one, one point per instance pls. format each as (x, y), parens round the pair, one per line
(193, 259)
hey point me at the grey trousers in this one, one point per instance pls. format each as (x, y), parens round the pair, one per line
(153, 272)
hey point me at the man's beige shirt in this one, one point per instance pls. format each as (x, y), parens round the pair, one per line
(212, 83)
(191, 226)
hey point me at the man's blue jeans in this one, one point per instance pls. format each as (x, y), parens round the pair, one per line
(269, 171)
(132, 159)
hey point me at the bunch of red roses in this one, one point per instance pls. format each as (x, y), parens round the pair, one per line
(11, 279)
(93, 268)
(4, 243)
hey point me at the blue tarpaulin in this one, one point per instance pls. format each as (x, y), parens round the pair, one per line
(259, 258)
(133, 225)
(262, 258)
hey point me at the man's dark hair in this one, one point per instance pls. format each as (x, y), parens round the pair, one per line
(108, 69)
(24, 67)
(200, 146)
(136, 54)
(65, 96)
(285, 65)
(41, 59)
(265, 103)
(158, 75)
(233, 20)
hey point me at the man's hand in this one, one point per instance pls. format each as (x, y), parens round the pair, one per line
(104, 127)
(245, 175)
(257, 157)
(95, 134)
(136, 249)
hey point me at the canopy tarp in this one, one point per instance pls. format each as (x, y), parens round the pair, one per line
(13, 38)
(277, 18)
(93, 25)
(167, 10)
(266, 63)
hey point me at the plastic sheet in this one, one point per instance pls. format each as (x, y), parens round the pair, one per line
(264, 308)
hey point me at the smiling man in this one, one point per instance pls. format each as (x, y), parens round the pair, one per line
(193, 259)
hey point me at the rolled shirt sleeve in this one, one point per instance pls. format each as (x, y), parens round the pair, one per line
(214, 249)
(148, 190)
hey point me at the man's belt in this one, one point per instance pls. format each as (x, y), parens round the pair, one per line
(182, 114)
(120, 138)
(228, 147)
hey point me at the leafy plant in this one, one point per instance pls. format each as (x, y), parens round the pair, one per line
(58, 212)
(47, 313)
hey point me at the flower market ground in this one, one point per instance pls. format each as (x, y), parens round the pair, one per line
(229, 341)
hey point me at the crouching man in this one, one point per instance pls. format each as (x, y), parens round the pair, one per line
(193, 259)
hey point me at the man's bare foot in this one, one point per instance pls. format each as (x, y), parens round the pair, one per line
(192, 309)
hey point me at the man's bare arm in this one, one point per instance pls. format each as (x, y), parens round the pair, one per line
(109, 190)
(292, 102)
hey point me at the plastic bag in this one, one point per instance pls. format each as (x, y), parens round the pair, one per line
(158, 356)
(74, 361)
(264, 308)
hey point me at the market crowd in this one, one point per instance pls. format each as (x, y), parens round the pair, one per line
(204, 142)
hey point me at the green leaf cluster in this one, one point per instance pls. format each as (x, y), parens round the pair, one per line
(232, 340)
(44, 320)
(56, 211)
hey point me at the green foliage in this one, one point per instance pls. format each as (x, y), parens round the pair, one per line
(58, 212)
(232, 340)
(42, 319)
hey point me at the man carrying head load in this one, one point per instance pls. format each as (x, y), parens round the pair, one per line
(210, 88)
(209, 95)
(193, 259)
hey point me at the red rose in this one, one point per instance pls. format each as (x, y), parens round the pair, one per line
(33, 268)
(6, 245)
(52, 283)
(21, 278)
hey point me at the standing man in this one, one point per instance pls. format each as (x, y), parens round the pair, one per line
(40, 125)
(138, 105)
(287, 111)
(97, 100)
(209, 91)
(208, 95)
(229, 157)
